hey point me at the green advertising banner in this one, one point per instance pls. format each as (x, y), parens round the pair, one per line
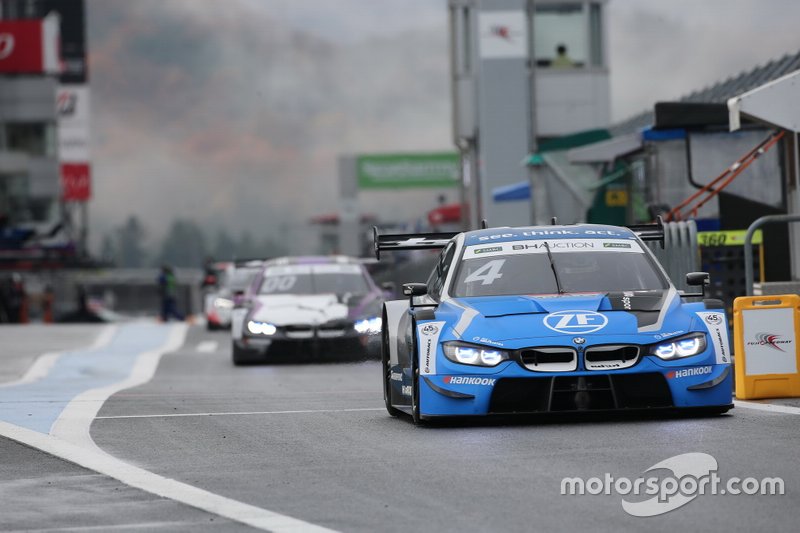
(392, 171)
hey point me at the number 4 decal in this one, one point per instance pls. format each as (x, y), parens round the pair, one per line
(488, 273)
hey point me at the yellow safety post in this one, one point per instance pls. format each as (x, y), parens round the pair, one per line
(765, 330)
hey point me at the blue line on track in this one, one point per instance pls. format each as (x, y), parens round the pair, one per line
(37, 405)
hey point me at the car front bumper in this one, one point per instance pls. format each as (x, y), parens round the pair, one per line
(349, 346)
(220, 319)
(513, 390)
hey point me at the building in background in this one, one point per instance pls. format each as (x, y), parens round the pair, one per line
(400, 188)
(681, 160)
(45, 171)
(523, 72)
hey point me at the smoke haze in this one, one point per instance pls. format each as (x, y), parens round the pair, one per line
(233, 113)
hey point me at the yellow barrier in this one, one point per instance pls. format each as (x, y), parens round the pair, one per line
(765, 329)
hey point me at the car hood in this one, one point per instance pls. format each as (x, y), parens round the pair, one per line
(494, 306)
(282, 310)
(514, 317)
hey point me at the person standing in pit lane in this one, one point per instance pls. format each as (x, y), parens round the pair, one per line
(167, 291)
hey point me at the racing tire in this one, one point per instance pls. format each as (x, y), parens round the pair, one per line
(415, 416)
(415, 398)
(387, 371)
(715, 410)
(242, 357)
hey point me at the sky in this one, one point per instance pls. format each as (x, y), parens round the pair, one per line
(660, 50)
(236, 118)
(657, 49)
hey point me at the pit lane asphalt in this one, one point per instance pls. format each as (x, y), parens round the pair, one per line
(327, 453)
(39, 492)
(317, 445)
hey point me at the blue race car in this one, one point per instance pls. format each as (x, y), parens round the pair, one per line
(550, 319)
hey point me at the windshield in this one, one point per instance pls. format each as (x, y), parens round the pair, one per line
(242, 277)
(314, 279)
(524, 267)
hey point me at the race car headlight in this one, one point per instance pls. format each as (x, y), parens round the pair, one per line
(471, 354)
(678, 348)
(368, 325)
(223, 303)
(261, 328)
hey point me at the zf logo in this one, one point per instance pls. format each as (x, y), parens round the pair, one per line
(572, 322)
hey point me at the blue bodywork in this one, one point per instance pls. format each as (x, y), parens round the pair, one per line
(585, 320)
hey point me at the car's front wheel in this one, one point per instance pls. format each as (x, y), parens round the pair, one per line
(714, 410)
(414, 355)
(387, 370)
(242, 356)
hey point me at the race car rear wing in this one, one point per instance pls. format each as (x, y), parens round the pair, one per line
(650, 232)
(410, 241)
(434, 241)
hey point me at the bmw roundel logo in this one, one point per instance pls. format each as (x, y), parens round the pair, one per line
(575, 322)
(579, 340)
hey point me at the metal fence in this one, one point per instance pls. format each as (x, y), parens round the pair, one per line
(128, 292)
(135, 291)
(680, 253)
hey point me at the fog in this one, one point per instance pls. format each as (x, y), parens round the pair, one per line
(235, 119)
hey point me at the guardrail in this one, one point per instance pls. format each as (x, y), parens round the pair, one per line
(748, 245)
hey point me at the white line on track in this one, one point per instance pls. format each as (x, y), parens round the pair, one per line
(141, 526)
(207, 347)
(99, 461)
(768, 407)
(236, 413)
(42, 365)
(69, 439)
(75, 420)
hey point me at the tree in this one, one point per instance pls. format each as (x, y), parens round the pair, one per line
(247, 247)
(225, 246)
(108, 249)
(130, 251)
(270, 248)
(184, 245)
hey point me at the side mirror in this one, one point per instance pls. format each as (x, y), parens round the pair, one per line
(238, 299)
(698, 279)
(414, 289)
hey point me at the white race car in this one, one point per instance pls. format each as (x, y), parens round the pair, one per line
(308, 306)
(231, 287)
